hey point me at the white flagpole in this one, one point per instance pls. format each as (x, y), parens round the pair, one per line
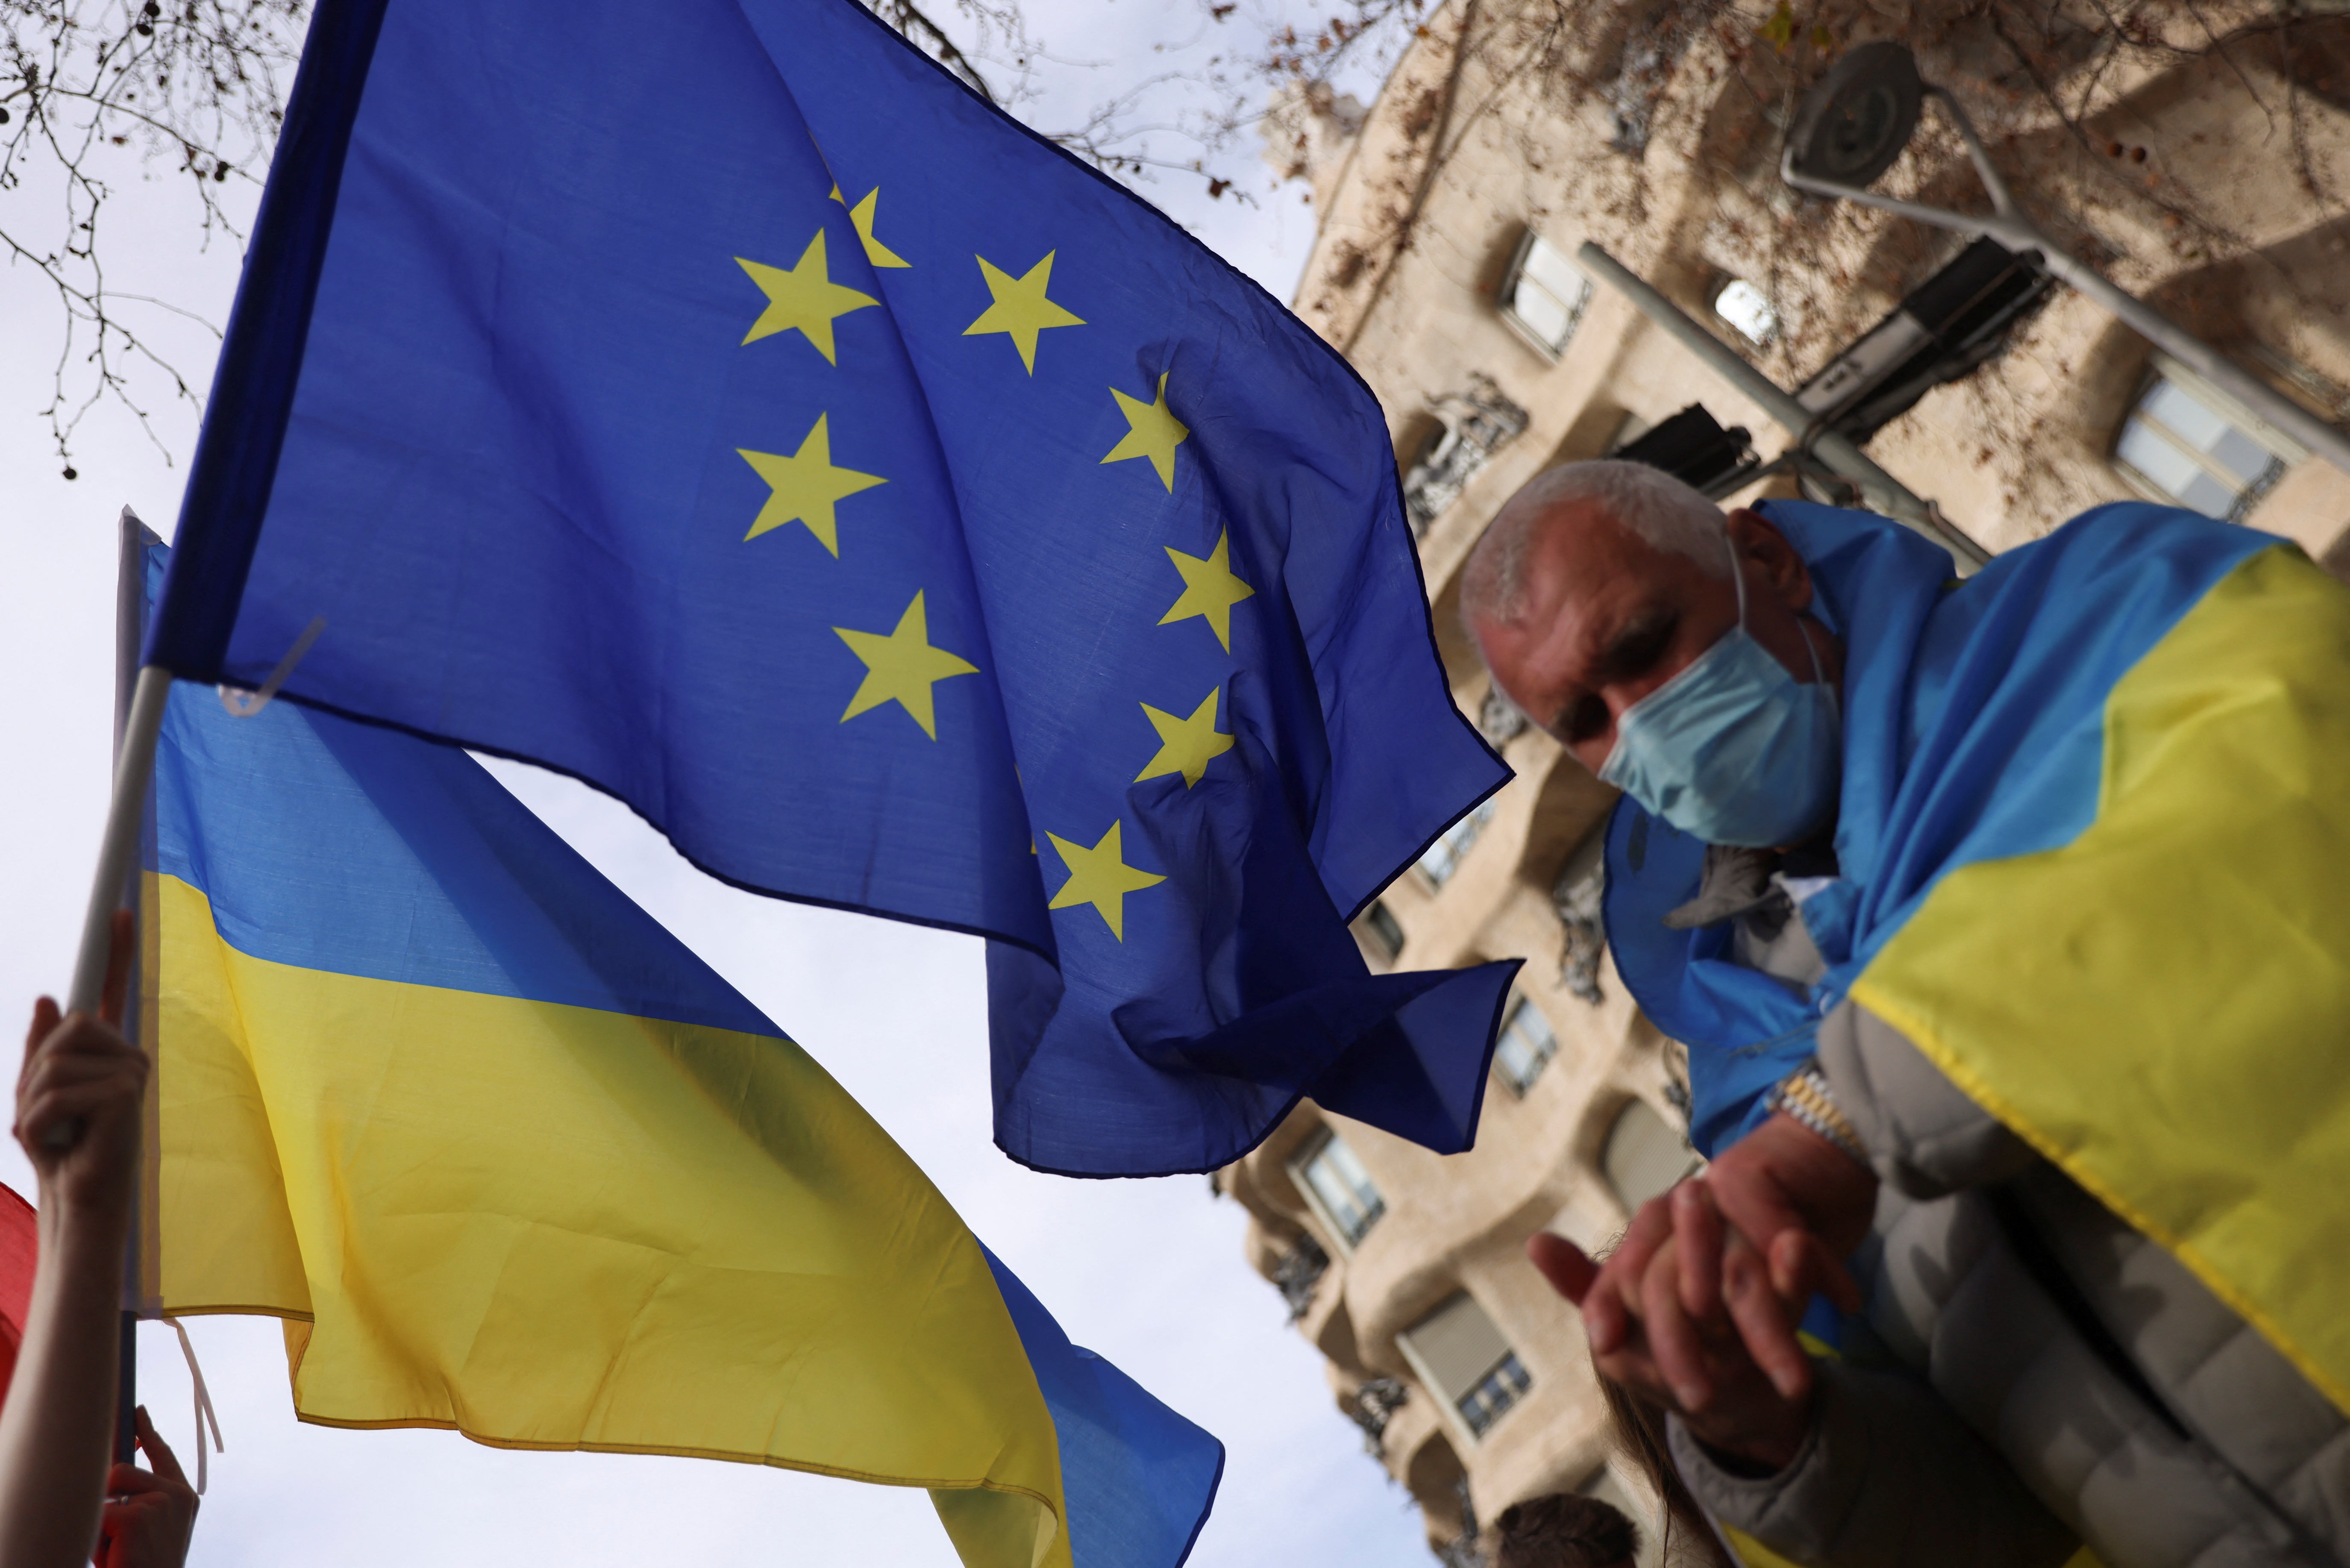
(138, 720)
(130, 634)
(118, 847)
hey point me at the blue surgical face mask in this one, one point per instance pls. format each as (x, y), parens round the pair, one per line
(1734, 750)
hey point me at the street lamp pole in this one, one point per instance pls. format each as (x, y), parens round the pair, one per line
(1836, 451)
(1855, 122)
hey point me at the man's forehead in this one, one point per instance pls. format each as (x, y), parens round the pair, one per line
(1582, 565)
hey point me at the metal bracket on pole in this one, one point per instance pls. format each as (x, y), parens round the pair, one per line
(246, 704)
(2008, 224)
(1831, 448)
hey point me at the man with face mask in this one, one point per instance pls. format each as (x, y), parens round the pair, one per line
(1906, 863)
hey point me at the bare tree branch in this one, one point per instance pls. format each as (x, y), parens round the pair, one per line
(90, 90)
(96, 91)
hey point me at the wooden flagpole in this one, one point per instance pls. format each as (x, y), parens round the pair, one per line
(139, 703)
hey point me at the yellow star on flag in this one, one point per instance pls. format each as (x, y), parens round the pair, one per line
(1021, 308)
(861, 216)
(1100, 876)
(1210, 590)
(902, 668)
(805, 486)
(804, 297)
(1186, 746)
(1150, 431)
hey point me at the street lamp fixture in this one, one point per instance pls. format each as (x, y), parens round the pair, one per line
(1854, 122)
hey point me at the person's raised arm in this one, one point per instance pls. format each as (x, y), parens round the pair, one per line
(78, 1116)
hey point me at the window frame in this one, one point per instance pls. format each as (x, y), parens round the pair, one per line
(2282, 450)
(1632, 1105)
(1505, 295)
(1343, 1243)
(1770, 311)
(1458, 1419)
(1523, 1086)
(1475, 820)
(1511, 1375)
(1386, 931)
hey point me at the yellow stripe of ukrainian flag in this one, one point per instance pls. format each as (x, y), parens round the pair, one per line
(553, 1227)
(2159, 1006)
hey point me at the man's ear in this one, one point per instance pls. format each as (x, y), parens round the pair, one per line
(1762, 543)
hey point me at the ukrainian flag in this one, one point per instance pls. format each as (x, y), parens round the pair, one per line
(507, 1157)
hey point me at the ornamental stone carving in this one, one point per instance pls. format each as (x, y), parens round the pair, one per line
(1477, 423)
(1298, 1273)
(1577, 898)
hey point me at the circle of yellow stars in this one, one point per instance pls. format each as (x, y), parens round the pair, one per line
(901, 665)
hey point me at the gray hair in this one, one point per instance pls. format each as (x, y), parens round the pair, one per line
(1651, 502)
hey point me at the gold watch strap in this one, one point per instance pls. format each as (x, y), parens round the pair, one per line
(1805, 1094)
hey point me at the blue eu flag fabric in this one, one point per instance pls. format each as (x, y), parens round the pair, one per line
(714, 400)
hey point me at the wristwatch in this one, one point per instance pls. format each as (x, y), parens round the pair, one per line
(1805, 1094)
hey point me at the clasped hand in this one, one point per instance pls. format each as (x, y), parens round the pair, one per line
(1696, 1310)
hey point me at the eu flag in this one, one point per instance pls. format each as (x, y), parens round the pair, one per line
(714, 400)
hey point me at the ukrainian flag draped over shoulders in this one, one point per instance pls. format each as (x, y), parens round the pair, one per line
(507, 1157)
(717, 402)
(2091, 838)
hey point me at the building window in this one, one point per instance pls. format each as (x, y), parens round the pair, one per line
(1644, 1156)
(2188, 443)
(1339, 1188)
(1441, 859)
(1496, 1393)
(1542, 294)
(1525, 1047)
(1386, 932)
(1748, 309)
(1457, 1351)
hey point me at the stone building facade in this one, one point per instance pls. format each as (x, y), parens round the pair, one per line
(2208, 173)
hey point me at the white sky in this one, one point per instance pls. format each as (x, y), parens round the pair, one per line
(1150, 1273)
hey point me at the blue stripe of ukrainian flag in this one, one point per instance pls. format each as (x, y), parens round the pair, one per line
(508, 1158)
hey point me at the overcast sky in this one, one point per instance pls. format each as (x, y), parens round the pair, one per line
(1148, 1274)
